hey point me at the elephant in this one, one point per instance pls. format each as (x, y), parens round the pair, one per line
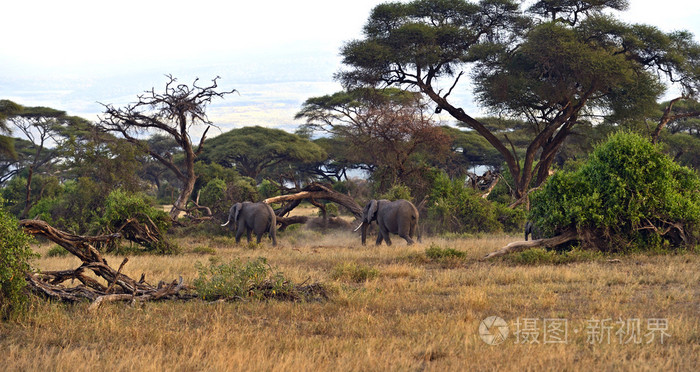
(397, 217)
(533, 230)
(257, 217)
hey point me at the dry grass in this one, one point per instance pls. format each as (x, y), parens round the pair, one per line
(416, 314)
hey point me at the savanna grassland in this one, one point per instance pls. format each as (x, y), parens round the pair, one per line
(390, 308)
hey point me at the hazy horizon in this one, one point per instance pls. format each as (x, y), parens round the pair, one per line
(72, 58)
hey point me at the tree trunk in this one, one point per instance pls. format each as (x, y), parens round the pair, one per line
(525, 245)
(318, 191)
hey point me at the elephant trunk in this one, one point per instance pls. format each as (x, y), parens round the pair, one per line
(364, 226)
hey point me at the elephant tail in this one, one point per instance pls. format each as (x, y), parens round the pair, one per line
(417, 227)
(273, 229)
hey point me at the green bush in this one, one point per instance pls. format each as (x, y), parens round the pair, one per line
(243, 189)
(213, 195)
(456, 208)
(15, 257)
(121, 206)
(15, 191)
(354, 272)
(542, 256)
(57, 251)
(397, 192)
(435, 252)
(77, 208)
(627, 196)
(267, 189)
(237, 280)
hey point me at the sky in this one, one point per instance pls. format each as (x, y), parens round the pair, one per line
(75, 55)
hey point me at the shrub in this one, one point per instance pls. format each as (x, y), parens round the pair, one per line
(240, 190)
(237, 280)
(15, 256)
(627, 196)
(542, 256)
(457, 208)
(77, 208)
(267, 189)
(397, 192)
(434, 252)
(121, 207)
(57, 251)
(213, 195)
(354, 272)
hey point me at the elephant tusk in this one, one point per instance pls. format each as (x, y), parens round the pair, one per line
(358, 227)
(226, 223)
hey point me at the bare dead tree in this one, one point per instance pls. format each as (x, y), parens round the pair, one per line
(668, 116)
(115, 286)
(174, 112)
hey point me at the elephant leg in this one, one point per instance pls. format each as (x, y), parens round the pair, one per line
(407, 234)
(258, 237)
(385, 235)
(240, 229)
(379, 237)
(407, 237)
(248, 233)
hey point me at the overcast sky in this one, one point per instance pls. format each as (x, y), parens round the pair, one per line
(70, 55)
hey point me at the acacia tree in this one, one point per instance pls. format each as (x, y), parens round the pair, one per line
(7, 109)
(385, 128)
(45, 130)
(255, 150)
(173, 112)
(552, 65)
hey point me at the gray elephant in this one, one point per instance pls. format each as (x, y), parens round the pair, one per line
(533, 230)
(248, 217)
(395, 217)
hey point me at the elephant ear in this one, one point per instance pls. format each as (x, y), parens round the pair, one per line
(372, 211)
(236, 211)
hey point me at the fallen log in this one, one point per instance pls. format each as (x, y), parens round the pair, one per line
(317, 191)
(525, 245)
(119, 285)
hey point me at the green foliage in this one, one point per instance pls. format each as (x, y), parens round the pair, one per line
(213, 195)
(15, 192)
(457, 208)
(57, 251)
(77, 208)
(627, 196)
(268, 189)
(240, 190)
(354, 272)
(541, 256)
(397, 192)
(254, 279)
(121, 206)
(435, 252)
(252, 150)
(15, 257)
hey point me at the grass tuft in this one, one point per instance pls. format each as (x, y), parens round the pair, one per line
(353, 272)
